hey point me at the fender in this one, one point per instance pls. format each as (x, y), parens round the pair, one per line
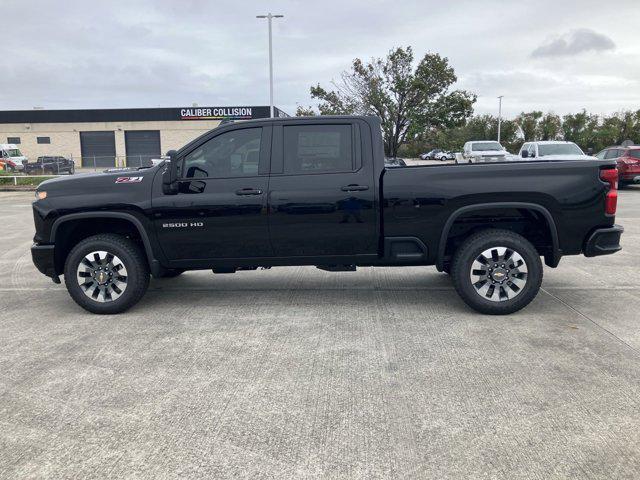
(556, 254)
(153, 263)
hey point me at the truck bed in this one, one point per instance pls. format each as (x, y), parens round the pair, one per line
(420, 201)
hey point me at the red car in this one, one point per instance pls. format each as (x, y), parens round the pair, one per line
(628, 159)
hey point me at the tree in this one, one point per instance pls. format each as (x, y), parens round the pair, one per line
(408, 100)
(528, 122)
(482, 127)
(302, 111)
(549, 127)
(581, 128)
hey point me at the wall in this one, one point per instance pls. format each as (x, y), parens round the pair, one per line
(65, 137)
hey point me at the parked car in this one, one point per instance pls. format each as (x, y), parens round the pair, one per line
(50, 165)
(478, 151)
(552, 150)
(394, 162)
(431, 154)
(628, 160)
(12, 157)
(320, 195)
(444, 155)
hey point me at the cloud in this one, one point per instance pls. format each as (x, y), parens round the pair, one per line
(574, 42)
(151, 53)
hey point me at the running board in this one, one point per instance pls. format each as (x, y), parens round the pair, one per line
(337, 268)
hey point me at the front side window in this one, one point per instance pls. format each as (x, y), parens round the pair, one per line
(231, 154)
(317, 149)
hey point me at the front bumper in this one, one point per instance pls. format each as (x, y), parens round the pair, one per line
(43, 259)
(604, 241)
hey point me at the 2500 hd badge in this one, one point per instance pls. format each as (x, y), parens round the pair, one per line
(183, 225)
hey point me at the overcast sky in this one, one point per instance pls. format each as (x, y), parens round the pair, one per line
(557, 55)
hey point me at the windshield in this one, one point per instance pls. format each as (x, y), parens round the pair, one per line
(14, 152)
(486, 146)
(559, 149)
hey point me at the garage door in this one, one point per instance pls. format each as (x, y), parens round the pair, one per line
(98, 149)
(142, 146)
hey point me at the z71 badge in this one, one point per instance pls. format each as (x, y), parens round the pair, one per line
(129, 179)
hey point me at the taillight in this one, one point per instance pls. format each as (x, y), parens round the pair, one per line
(610, 176)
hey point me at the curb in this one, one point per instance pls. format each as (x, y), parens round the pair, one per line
(18, 188)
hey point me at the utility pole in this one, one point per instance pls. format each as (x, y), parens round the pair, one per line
(499, 115)
(269, 17)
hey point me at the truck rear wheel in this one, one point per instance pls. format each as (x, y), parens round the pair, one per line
(106, 273)
(497, 272)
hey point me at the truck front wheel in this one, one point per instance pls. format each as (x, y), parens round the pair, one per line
(106, 273)
(497, 272)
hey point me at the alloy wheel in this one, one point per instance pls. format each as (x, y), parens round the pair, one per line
(102, 276)
(498, 274)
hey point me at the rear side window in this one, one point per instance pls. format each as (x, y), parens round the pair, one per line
(318, 149)
(613, 153)
(634, 153)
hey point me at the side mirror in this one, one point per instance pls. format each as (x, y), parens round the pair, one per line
(589, 151)
(525, 153)
(170, 174)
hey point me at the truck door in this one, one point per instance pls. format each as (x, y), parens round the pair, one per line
(220, 210)
(322, 190)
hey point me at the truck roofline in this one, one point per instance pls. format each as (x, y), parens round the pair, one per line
(370, 119)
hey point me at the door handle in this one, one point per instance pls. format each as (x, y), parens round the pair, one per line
(355, 188)
(249, 191)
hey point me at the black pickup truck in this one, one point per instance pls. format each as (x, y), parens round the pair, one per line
(315, 191)
(52, 165)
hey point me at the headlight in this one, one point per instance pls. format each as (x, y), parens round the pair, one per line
(41, 195)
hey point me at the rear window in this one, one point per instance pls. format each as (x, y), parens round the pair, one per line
(634, 153)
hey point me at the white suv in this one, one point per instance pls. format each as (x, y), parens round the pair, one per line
(483, 151)
(552, 150)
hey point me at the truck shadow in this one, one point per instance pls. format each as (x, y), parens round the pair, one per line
(281, 290)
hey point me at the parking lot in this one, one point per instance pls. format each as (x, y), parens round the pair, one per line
(300, 373)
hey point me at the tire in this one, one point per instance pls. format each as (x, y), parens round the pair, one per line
(170, 273)
(126, 257)
(521, 282)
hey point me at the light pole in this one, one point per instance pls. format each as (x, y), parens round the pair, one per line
(270, 17)
(499, 115)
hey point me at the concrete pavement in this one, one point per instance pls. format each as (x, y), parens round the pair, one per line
(299, 373)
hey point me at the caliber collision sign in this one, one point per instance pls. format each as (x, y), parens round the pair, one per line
(216, 113)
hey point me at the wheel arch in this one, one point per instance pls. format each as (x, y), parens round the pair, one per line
(66, 222)
(552, 260)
